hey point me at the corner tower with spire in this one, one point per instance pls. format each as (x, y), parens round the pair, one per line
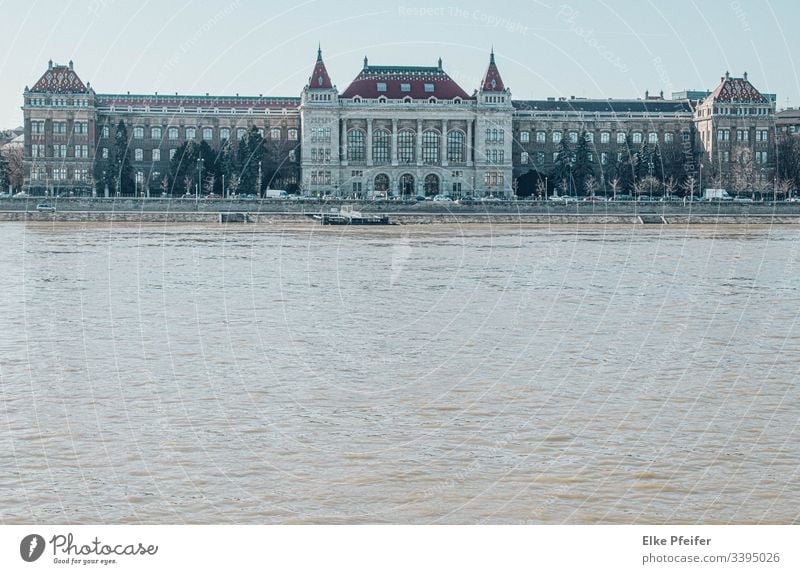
(494, 132)
(319, 118)
(493, 91)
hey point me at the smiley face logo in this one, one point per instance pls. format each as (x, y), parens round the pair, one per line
(31, 547)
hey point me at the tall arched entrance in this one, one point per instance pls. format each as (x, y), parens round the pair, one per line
(406, 184)
(431, 184)
(381, 184)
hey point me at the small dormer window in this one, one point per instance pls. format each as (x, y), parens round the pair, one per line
(429, 88)
(431, 100)
(405, 87)
(381, 86)
(319, 80)
(494, 83)
(407, 100)
(357, 99)
(382, 100)
(456, 100)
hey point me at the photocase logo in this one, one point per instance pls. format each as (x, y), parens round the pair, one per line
(31, 547)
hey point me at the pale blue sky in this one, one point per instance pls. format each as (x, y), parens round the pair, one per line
(543, 48)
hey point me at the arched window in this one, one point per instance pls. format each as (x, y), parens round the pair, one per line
(382, 183)
(405, 146)
(356, 146)
(381, 146)
(431, 184)
(406, 184)
(455, 147)
(430, 147)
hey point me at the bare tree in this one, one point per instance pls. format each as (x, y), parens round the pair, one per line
(743, 172)
(233, 184)
(590, 185)
(541, 189)
(782, 188)
(648, 185)
(14, 155)
(208, 184)
(615, 184)
(670, 185)
(689, 186)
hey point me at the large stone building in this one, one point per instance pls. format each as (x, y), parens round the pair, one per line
(401, 130)
(736, 130)
(393, 131)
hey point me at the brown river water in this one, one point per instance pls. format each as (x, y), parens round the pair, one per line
(429, 374)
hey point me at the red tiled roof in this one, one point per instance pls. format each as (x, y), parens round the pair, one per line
(414, 79)
(224, 103)
(492, 82)
(320, 80)
(737, 91)
(59, 80)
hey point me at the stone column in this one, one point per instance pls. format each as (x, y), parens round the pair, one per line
(394, 142)
(443, 143)
(469, 142)
(369, 141)
(344, 141)
(419, 142)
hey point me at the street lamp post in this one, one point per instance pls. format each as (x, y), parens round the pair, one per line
(259, 179)
(700, 183)
(199, 177)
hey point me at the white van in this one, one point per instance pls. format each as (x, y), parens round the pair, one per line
(276, 193)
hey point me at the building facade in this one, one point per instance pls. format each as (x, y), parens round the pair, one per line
(393, 131)
(406, 131)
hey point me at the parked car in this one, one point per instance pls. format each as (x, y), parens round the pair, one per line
(21, 194)
(623, 197)
(743, 200)
(441, 197)
(420, 198)
(594, 198)
(468, 199)
(45, 207)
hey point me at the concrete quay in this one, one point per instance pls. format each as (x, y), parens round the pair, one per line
(500, 213)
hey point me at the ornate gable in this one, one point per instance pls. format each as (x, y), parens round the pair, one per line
(737, 91)
(60, 80)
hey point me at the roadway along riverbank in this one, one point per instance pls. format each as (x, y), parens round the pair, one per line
(285, 211)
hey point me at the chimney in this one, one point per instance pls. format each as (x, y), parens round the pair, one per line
(70, 64)
(661, 94)
(745, 75)
(727, 75)
(440, 63)
(50, 65)
(646, 94)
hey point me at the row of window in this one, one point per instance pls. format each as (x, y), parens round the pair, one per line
(737, 111)
(59, 102)
(173, 133)
(492, 179)
(60, 151)
(155, 154)
(39, 173)
(59, 127)
(525, 158)
(406, 146)
(605, 137)
(742, 135)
